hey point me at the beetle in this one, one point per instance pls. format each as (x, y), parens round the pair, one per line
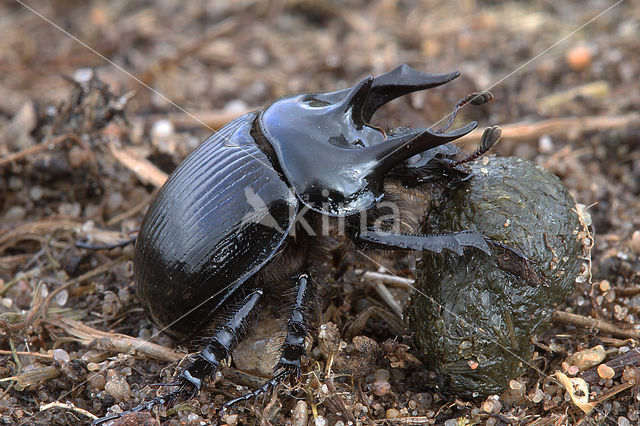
(226, 228)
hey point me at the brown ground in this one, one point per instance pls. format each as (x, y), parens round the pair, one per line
(73, 165)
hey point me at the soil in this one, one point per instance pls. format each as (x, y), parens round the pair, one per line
(99, 100)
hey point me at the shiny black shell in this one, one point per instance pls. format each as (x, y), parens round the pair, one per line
(227, 209)
(220, 216)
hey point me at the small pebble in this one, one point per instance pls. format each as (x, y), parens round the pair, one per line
(162, 129)
(77, 156)
(623, 421)
(14, 214)
(451, 422)
(60, 355)
(578, 57)
(629, 374)
(588, 358)
(300, 415)
(605, 372)
(492, 405)
(118, 388)
(382, 374)
(545, 144)
(193, 418)
(635, 242)
(83, 75)
(573, 370)
(517, 386)
(61, 298)
(36, 193)
(320, 421)
(15, 183)
(69, 209)
(114, 201)
(97, 381)
(236, 105)
(465, 345)
(230, 419)
(392, 413)
(604, 285)
(537, 396)
(380, 387)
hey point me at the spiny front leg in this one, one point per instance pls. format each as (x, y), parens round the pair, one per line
(292, 350)
(454, 242)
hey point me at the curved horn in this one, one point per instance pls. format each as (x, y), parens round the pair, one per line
(400, 81)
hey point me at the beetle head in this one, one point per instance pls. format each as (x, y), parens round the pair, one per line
(330, 154)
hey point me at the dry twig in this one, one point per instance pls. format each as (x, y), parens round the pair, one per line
(594, 323)
(141, 167)
(116, 342)
(568, 126)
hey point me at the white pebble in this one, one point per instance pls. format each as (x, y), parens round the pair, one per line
(162, 129)
(83, 75)
(320, 421)
(61, 298)
(545, 144)
(60, 355)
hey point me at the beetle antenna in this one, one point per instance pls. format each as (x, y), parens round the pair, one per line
(490, 137)
(476, 99)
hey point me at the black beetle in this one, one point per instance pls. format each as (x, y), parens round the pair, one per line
(219, 235)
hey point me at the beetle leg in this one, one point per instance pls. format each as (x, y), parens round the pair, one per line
(222, 342)
(208, 360)
(454, 242)
(292, 350)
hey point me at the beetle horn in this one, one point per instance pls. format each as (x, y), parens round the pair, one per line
(398, 82)
(357, 98)
(399, 148)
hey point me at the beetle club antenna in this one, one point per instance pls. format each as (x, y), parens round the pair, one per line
(490, 137)
(475, 99)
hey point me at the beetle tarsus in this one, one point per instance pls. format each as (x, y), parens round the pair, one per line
(269, 384)
(145, 406)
